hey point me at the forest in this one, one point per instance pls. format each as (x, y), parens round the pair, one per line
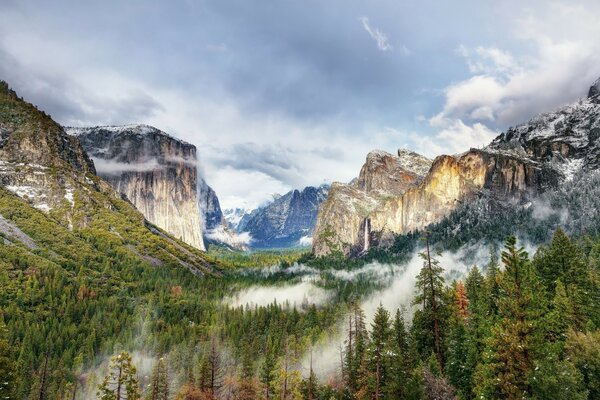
(516, 327)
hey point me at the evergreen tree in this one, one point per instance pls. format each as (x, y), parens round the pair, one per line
(493, 290)
(402, 384)
(430, 286)
(121, 381)
(7, 367)
(375, 383)
(458, 342)
(159, 382)
(355, 347)
(267, 370)
(509, 360)
(563, 260)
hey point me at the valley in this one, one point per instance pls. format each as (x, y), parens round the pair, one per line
(102, 253)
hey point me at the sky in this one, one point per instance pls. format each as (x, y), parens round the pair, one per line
(283, 94)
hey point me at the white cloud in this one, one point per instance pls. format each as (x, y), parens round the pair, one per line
(379, 37)
(562, 62)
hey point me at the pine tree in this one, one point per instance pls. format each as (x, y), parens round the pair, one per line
(211, 370)
(267, 370)
(563, 260)
(159, 382)
(7, 367)
(458, 342)
(492, 285)
(430, 286)
(121, 381)
(403, 384)
(478, 325)
(509, 361)
(355, 347)
(378, 355)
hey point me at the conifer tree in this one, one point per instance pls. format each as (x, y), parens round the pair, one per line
(458, 342)
(355, 347)
(159, 382)
(492, 285)
(562, 260)
(379, 353)
(121, 381)
(267, 370)
(509, 361)
(430, 286)
(7, 367)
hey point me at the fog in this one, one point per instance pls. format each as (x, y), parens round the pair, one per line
(297, 294)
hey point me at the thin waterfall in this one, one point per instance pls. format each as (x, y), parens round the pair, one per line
(366, 235)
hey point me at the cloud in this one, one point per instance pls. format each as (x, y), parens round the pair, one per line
(237, 240)
(508, 88)
(305, 241)
(379, 37)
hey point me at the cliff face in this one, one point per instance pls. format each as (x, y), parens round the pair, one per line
(210, 208)
(38, 160)
(156, 172)
(286, 222)
(517, 166)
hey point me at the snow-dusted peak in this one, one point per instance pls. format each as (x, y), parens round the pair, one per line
(594, 89)
(378, 154)
(414, 162)
(128, 129)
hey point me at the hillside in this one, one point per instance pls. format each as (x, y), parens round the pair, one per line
(77, 260)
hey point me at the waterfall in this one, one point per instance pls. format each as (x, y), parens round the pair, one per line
(366, 235)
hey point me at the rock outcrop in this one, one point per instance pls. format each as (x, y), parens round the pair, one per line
(287, 221)
(155, 171)
(38, 160)
(517, 166)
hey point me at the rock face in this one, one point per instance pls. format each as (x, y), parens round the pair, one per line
(38, 160)
(517, 166)
(155, 171)
(210, 208)
(594, 89)
(286, 222)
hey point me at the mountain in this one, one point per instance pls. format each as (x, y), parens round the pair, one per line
(234, 216)
(217, 229)
(210, 207)
(155, 171)
(80, 219)
(516, 168)
(287, 221)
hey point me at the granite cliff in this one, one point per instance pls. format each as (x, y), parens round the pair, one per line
(155, 171)
(516, 167)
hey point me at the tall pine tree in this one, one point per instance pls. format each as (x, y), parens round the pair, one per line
(121, 381)
(509, 360)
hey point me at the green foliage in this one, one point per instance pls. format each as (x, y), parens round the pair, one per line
(121, 381)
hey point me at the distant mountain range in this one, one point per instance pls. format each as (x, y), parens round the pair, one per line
(287, 221)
